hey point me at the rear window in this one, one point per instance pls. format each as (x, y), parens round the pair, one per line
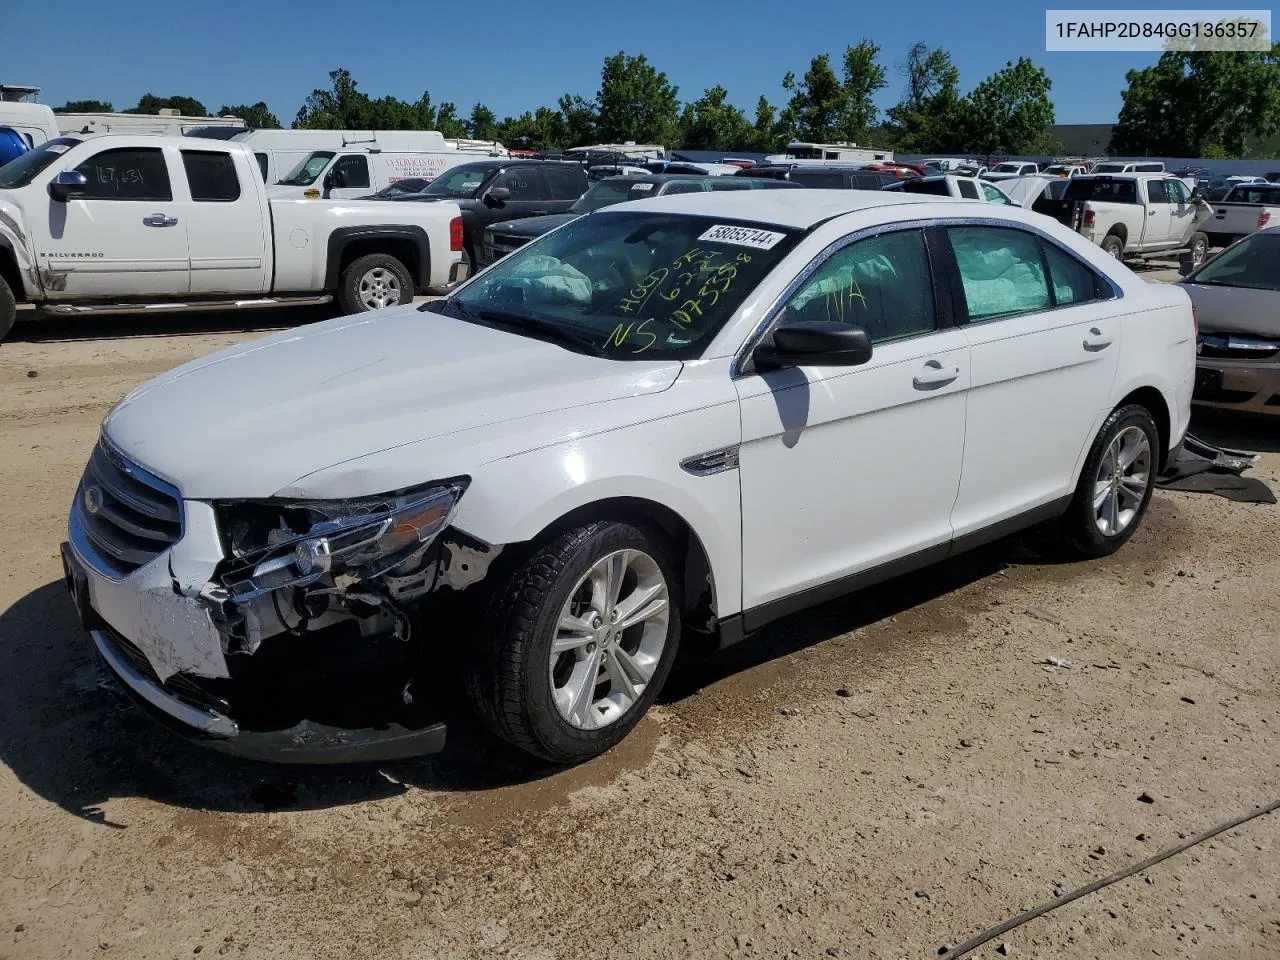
(819, 181)
(1255, 194)
(937, 188)
(212, 176)
(1102, 189)
(968, 189)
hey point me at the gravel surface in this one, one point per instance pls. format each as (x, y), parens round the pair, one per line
(881, 777)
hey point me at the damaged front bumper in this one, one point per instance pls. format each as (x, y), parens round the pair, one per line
(191, 705)
(329, 672)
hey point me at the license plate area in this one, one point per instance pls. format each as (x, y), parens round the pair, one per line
(77, 583)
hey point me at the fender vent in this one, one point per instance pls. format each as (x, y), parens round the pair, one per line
(717, 461)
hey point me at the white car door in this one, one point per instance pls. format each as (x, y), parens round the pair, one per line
(124, 235)
(847, 468)
(1043, 357)
(348, 177)
(1158, 232)
(226, 222)
(1182, 212)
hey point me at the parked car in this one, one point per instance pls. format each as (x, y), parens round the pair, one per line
(1244, 208)
(121, 222)
(951, 185)
(1065, 169)
(12, 145)
(603, 171)
(1138, 215)
(1011, 168)
(705, 410)
(823, 176)
(401, 187)
(1128, 166)
(502, 238)
(1237, 301)
(1273, 176)
(489, 191)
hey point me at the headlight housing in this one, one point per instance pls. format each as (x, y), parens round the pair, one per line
(277, 544)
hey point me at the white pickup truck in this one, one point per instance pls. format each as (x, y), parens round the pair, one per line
(1135, 215)
(118, 223)
(1246, 208)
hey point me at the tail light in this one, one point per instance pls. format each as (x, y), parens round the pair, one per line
(1088, 218)
(1264, 217)
(455, 235)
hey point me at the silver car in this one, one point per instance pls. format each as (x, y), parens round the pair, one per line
(1236, 296)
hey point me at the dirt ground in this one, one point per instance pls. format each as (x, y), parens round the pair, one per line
(881, 777)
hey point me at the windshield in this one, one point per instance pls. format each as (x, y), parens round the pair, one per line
(1110, 168)
(606, 193)
(305, 173)
(1254, 262)
(461, 181)
(1007, 168)
(401, 187)
(22, 170)
(625, 285)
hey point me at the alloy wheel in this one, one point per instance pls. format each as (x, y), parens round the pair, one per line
(1124, 475)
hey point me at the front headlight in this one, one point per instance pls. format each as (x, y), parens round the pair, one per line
(284, 544)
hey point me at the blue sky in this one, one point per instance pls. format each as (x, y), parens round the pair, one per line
(512, 56)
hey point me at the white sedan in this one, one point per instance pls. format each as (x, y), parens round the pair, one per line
(695, 413)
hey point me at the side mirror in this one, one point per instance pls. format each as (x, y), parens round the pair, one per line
(497, 196)
(817, 343)
(68, 184)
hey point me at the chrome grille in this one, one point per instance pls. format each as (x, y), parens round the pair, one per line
(127, 516)
(502, 245)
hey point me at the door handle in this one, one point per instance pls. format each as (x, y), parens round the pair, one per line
(934, 375)
(1151, 213)
(1096, 340)
(159, 220)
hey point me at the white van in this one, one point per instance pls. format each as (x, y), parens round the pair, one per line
(280, 153)
(168, 122)
(34, 122)
(1128, 166)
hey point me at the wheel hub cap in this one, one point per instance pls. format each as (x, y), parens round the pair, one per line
(609, 639)
(1122, 483)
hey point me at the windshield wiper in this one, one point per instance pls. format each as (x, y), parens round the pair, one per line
(526, 323)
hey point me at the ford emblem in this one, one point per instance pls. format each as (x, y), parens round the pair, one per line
(92, 500)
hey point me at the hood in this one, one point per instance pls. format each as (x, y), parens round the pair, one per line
(1252, 313)
(248, 421)
(532, 226)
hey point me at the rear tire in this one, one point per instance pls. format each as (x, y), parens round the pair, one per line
(373, 282)
(578, 641)
(1115, 485)
(1113, 246)
(1199, 249)
(8, 309)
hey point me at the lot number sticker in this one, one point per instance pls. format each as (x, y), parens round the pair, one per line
(743, 237)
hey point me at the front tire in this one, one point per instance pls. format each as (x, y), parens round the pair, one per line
(373, 282)
(1115, 485)
(578, 641)
(8, 309)
(1199, 249)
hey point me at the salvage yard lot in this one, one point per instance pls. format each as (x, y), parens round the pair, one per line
(880, 777)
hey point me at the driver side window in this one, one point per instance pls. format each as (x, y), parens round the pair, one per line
(881, 284)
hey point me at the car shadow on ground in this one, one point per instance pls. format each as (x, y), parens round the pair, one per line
(71, 735)
(1246, 432)
(56, 329)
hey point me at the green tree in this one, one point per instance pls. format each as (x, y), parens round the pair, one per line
(580, 121)
(343, 106)
(1009, 112)
(863, 78)
(449, 123)
(258, 116)
(709, 123)
(543, 129)
(764, 137)
(927, 119)
(1194, 102)
(817, 102)
(187, 106)
(636, 102)
(85, 106)
(483, 123)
